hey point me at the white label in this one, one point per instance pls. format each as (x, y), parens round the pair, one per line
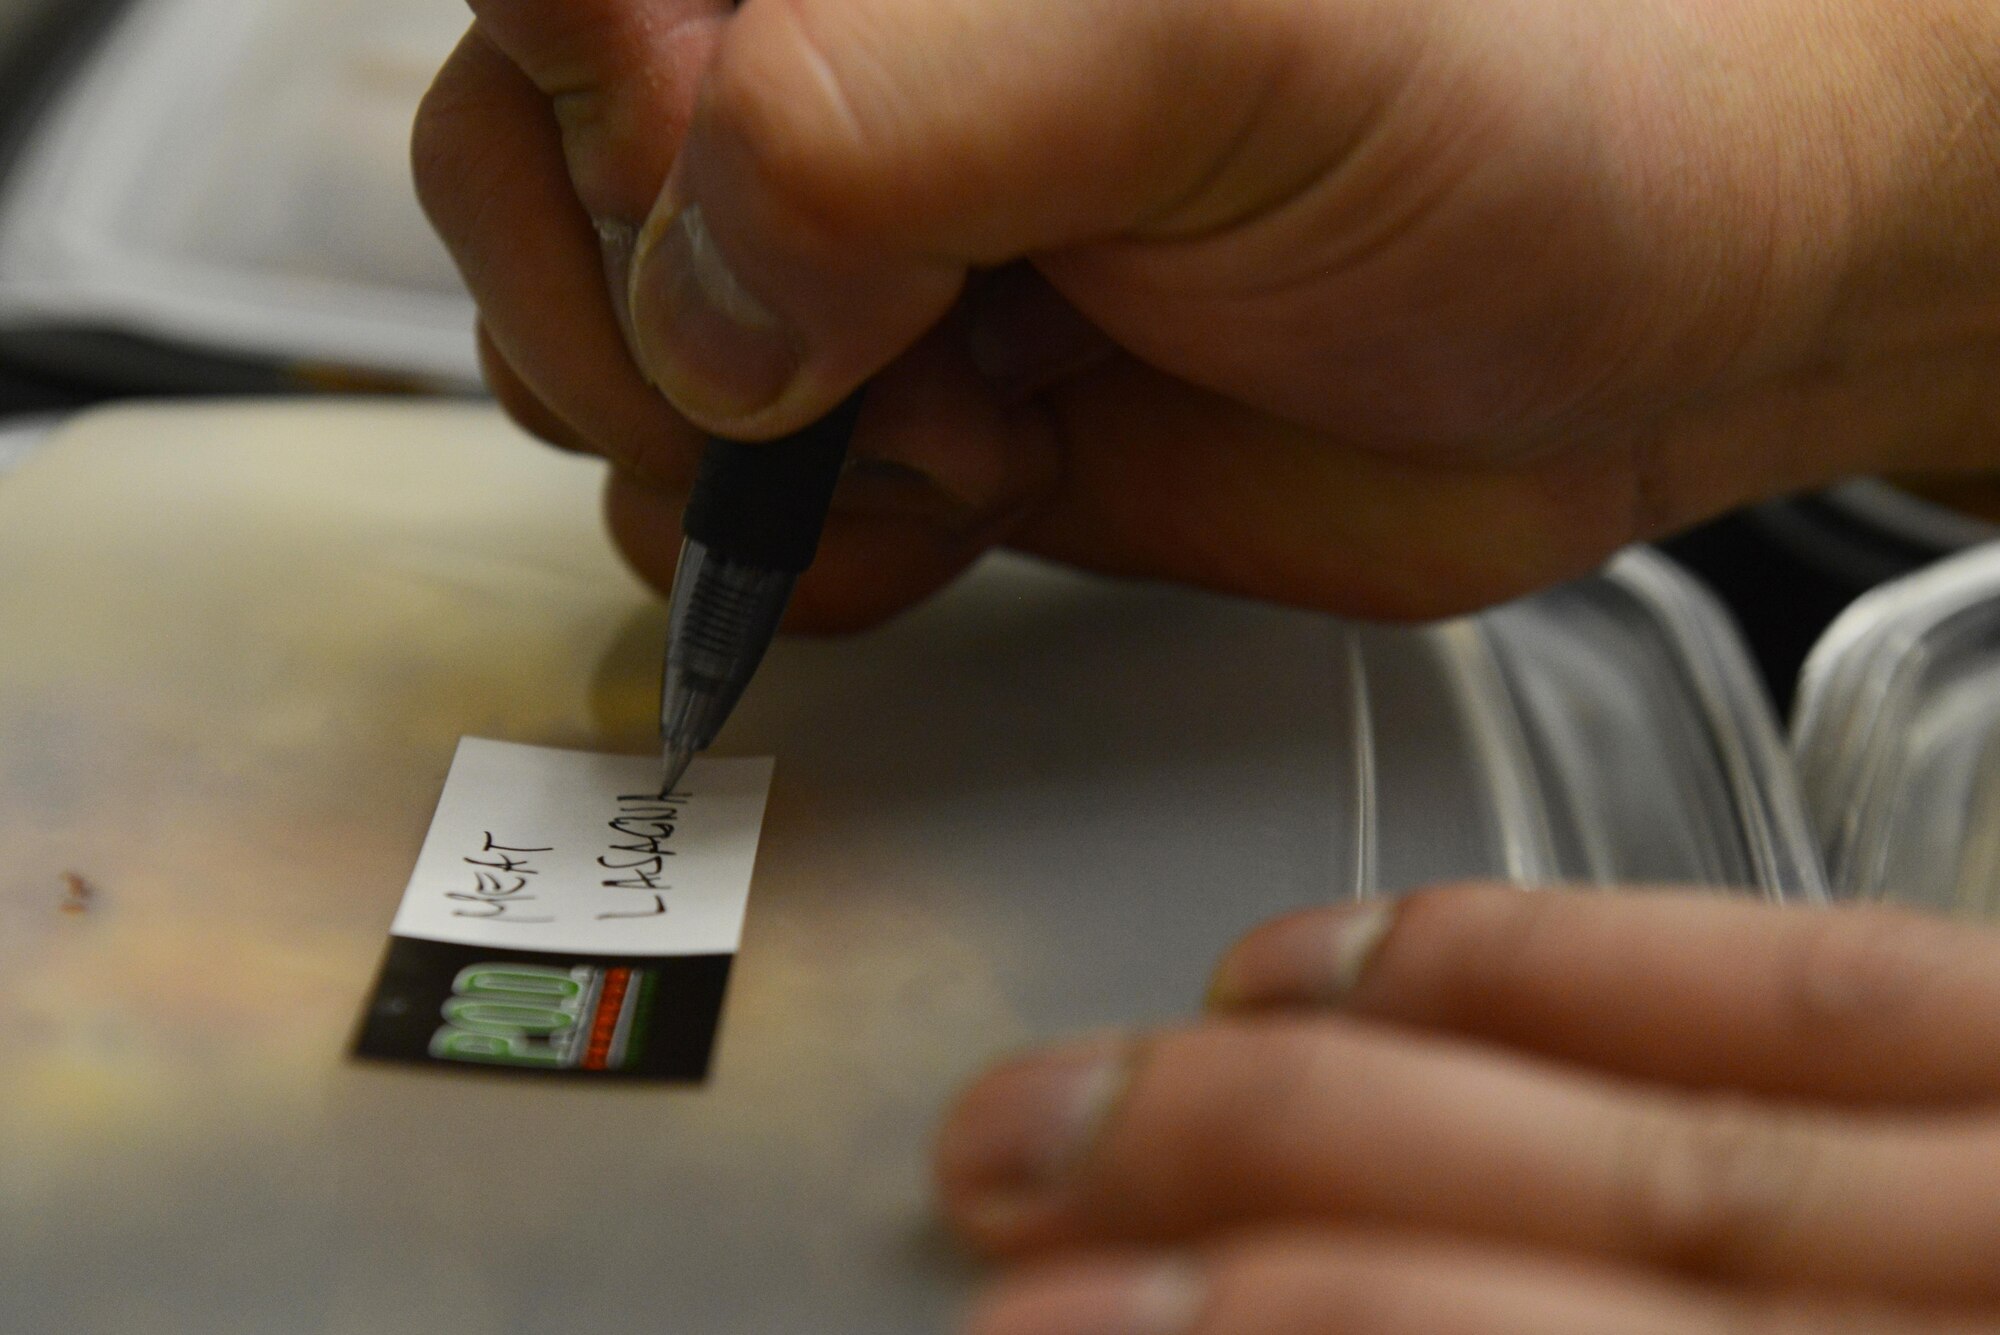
(575, 852)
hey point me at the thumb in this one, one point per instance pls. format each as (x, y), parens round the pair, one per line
(850, 160)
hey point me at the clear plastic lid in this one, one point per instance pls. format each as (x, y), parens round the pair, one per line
(1897, 739)
(234, 174)
(1043, 803)
(1654, 750)
(1902, 514)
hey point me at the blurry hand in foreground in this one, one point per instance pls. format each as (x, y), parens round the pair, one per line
(1392, 307)
(1489, 1112)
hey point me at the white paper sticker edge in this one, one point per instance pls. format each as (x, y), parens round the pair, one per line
(541, 848)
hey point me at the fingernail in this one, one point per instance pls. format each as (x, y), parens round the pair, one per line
(615, 243)
(1014, 1142)
(1312, 959)
(703, 338)
(1113, 1298)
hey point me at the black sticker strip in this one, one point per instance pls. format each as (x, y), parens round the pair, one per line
(521, 1010)
(566, 918)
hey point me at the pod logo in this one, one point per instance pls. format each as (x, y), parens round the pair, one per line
(583, 1017)
(531, 1012)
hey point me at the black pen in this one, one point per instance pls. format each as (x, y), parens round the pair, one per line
(752, 527)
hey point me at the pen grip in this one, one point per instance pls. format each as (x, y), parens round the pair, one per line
(764, 503)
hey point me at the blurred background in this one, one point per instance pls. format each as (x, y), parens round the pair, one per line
(212, 197)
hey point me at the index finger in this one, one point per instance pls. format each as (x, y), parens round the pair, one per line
(620, 76)
(1853, 1005)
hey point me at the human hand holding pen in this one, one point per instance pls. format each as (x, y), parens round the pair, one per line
(1384, 306)
(1388, 306)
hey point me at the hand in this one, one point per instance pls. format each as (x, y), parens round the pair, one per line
(1489, 1112)
(1392, 307)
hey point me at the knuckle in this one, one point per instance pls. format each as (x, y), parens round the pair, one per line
(1856, 971)
(1712, 1185)
(433, 144)
(446, 147)
(1212, 1125)
(780, 104)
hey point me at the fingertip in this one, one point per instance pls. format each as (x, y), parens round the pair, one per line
(753, 333)
(873, 567)
(521, 404)
(644, 522)
(1012, 1142)
(1023, 335)
(934, 414)
(1314, 958)
(711, 343)
(937, 476)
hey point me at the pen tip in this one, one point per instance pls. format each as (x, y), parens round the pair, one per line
(678, 759)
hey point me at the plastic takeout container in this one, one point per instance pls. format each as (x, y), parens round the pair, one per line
(1898, 740)
(232, 177)
(244, 646)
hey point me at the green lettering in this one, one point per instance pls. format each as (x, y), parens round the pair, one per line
(458, 1045)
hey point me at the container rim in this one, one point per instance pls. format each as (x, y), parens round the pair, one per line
(1742, 726)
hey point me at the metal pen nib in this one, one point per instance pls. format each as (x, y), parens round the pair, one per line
(721, 617)
(674, 762)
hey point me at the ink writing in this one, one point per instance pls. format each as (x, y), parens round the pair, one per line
(642, 834)
(499, 883)
(539, 849)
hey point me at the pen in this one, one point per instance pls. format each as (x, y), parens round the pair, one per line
(752, 527)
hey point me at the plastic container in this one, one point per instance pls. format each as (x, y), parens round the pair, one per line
(1040, 804)
(1897, 736)
(1787, 569)
(229, 180)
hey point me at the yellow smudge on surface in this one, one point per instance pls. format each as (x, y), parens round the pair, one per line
(242, 644)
